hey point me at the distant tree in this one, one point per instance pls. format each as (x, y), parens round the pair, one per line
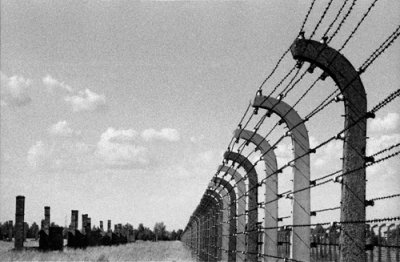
(140, 232)
(148, 234)
(173, 235)
(128, 230)
(160, 231)
(33, 231)
(5, 229)
(179, 234)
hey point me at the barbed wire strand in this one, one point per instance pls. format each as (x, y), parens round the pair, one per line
(358, 25)
(321, 18)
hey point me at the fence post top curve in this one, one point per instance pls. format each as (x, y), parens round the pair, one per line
(214, 194)
(336, 65)
(260, 143)
(283, 110)
(254, 138)
(241, 159)
(234, 173)
(227, 169)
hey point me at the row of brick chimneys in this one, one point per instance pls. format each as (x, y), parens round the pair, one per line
(86, 222)
(51, 237)
(86, 237)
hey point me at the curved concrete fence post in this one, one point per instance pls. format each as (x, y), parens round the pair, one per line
(355, 105)
(241, 209)
(216, 223)
(202, 211)
(219, 182)
(252, 212)
(271, 191)
(197, 247)
(207, 210)
(193, 235)
(211, 210)
(213, 231)
(197, 213)
(193, 228)
(225, 213)
(300, 246)
(211, 250)
(224, 234)
(196, 234)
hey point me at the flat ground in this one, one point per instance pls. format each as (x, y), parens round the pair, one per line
(139, 251)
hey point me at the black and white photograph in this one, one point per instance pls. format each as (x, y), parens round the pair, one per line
(200, 130)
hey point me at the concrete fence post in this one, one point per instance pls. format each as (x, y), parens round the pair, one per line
(252, 212)
(270, 237)
(241, 209)
(219, 182)
(388, 256)
(218, 205)
(352, 239)
(397, 239)
(300, 238)
(380, 242)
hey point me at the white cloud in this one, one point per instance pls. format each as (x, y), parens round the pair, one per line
(62, 128)
(120, 136)
(116, 149)
(52, 83)
(14, 90)
(86, 101)
(168, 134)
(177, 172)
(383, 177)
(61, 156)
(375, 144)
(328, 154)
(208, 157)
(284, 153)
(197, 139)
(387, 123)
(37, 154)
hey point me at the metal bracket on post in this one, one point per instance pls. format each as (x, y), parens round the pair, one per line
(352, 243)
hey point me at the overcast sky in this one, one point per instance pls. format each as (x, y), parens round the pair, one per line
(122, 109)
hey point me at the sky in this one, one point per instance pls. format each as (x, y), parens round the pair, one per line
(123, 109)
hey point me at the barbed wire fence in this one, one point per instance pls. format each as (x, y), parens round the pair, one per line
(217, 233)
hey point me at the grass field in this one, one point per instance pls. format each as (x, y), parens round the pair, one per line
(139, 251)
